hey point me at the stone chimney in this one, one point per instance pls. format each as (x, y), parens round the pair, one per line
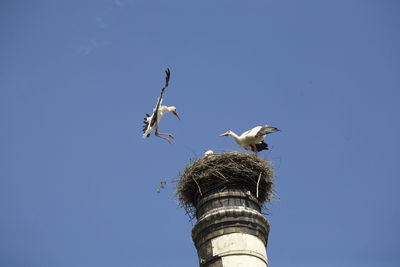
(228, 191)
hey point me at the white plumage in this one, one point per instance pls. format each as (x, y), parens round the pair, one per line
(208, 152)
(152, 121)
(252, 140)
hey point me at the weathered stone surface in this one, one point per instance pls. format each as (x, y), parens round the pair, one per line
(230, 230)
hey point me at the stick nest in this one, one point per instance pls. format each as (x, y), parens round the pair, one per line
(219, 171)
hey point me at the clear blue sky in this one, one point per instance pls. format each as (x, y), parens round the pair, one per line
(78, 183)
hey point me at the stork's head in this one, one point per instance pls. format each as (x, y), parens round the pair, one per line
(172, 109)
(228, 133)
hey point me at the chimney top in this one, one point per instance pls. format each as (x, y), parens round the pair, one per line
(217, 172)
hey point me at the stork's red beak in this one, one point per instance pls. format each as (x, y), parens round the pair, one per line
(176, 114)
(224, 134)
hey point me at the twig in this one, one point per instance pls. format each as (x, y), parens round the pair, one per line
(259, 177)
(221, 175)
(198, 186)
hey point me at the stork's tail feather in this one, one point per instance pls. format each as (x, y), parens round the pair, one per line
(261, 146)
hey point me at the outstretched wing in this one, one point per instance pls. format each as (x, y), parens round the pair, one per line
(252, 132)
(155, 111)
(266, 130)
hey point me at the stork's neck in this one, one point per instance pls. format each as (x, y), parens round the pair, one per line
(236, 137)
(163, 109)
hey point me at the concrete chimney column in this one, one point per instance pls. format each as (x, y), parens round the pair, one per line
(230, 229)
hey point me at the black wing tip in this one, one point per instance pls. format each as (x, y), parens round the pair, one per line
(146, 124)
(271, 129)
(168, 73)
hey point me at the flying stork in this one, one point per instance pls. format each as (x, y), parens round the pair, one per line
(252, 140)
(151, 121)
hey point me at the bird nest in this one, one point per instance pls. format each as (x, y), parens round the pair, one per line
(220, 171)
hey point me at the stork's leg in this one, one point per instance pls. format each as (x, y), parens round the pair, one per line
(170, 135)
(158, 135)
(255, 149)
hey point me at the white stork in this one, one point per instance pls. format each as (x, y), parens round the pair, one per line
(151, 121)
(208, 153)
(252, 140)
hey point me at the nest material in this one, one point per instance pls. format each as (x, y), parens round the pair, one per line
(219, 171)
